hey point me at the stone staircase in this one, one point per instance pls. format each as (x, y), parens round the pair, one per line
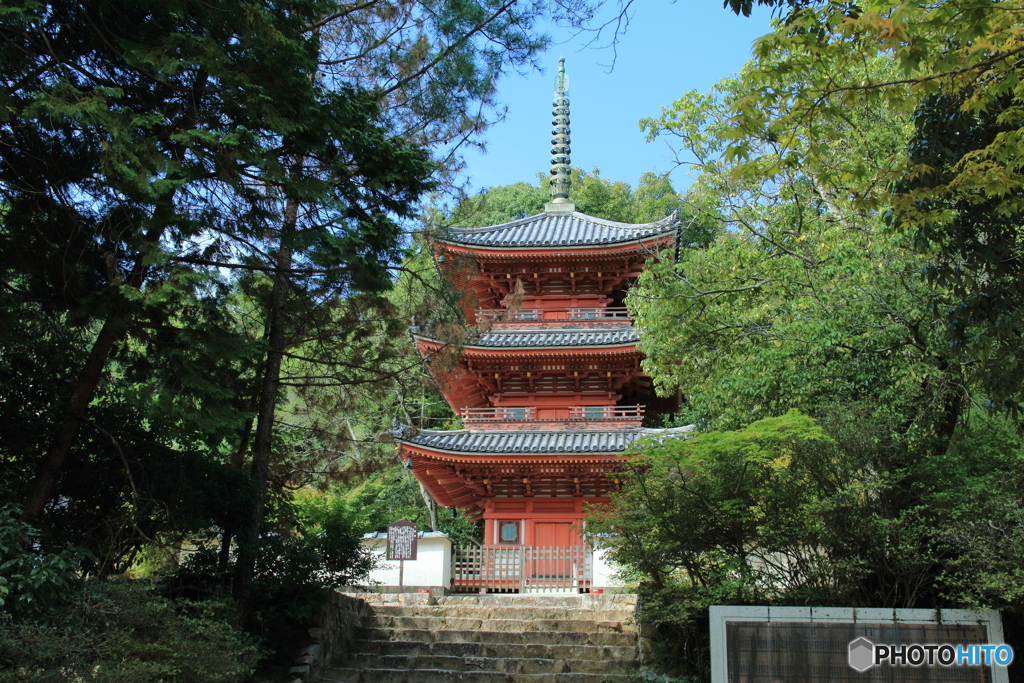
(415, 638)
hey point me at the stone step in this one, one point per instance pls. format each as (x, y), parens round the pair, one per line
(347, 675)
(529, 665)
(624, 614)
(500, 650)
(510, 637)
(419, 638)
(579, 601)
(516, 625)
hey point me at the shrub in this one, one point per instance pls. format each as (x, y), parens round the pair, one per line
(31, 578)
(126, 633)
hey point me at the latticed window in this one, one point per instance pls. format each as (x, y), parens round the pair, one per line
(508, 532)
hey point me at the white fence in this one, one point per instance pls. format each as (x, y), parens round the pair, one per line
(522, 569)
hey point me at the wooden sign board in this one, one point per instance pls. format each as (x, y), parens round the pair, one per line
(402, 540)
(810, 652)
(762, 644)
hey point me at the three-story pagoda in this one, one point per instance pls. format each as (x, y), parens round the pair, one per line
(549, 388)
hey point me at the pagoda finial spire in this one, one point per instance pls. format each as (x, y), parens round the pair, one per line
(560, 165)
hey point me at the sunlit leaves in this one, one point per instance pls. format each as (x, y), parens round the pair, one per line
(805, 299)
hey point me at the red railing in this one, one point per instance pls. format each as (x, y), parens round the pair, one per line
(502, 414)
(606, 412)
(545, 314)
(532, 414)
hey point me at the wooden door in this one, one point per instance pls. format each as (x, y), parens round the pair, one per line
(554, 534)
(554, 550)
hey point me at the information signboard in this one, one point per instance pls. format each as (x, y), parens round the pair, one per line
(402, 539)
(811, 652)
(766, 644)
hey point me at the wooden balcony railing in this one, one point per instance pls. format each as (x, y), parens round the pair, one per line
(573, 413)
(502, 414)
(544, 314)
(606, 412)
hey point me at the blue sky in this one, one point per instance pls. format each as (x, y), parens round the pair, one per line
(669, 49)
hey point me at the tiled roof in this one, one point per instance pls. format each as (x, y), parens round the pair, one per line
(422, 534)
(524, 442)
(558, 337)
(559, 230)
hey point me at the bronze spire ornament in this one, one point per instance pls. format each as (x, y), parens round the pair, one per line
(560, 163)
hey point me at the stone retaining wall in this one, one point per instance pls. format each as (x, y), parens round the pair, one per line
(337, 619)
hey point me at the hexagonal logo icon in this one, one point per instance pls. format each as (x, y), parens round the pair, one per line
(862, 654)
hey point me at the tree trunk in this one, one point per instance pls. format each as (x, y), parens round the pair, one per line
(85, 389)
(427, 498)
(224, 557)
(42, 486)
(82, 395)
(248, 537)
(237, 460)
(431, 506)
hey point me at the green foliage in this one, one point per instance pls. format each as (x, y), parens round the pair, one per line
(653, 199)
(597, 196)
(32, 579)
(156, 176)
(435, 63)
(369, 374)
(787, 511)
(317, 545)
(718, 497)
(806, 74)
(314, 546)
(200, 203)
(715, 520)
(137, 474)
(957, 189)
(393, 494)
(811, 300)
(127, 633)
(460, 530)
(801, 280)
(976, 237)
(974, 512)
(384, 497)
(844, 313)
(500, 205)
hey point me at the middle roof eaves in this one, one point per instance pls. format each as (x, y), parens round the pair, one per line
(564, 337)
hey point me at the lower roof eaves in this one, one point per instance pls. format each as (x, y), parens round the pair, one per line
(540, 442)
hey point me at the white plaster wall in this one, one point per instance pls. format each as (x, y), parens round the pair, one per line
(605, 571)
(432, 566)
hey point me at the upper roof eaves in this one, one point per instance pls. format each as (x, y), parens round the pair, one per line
(552, 229)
